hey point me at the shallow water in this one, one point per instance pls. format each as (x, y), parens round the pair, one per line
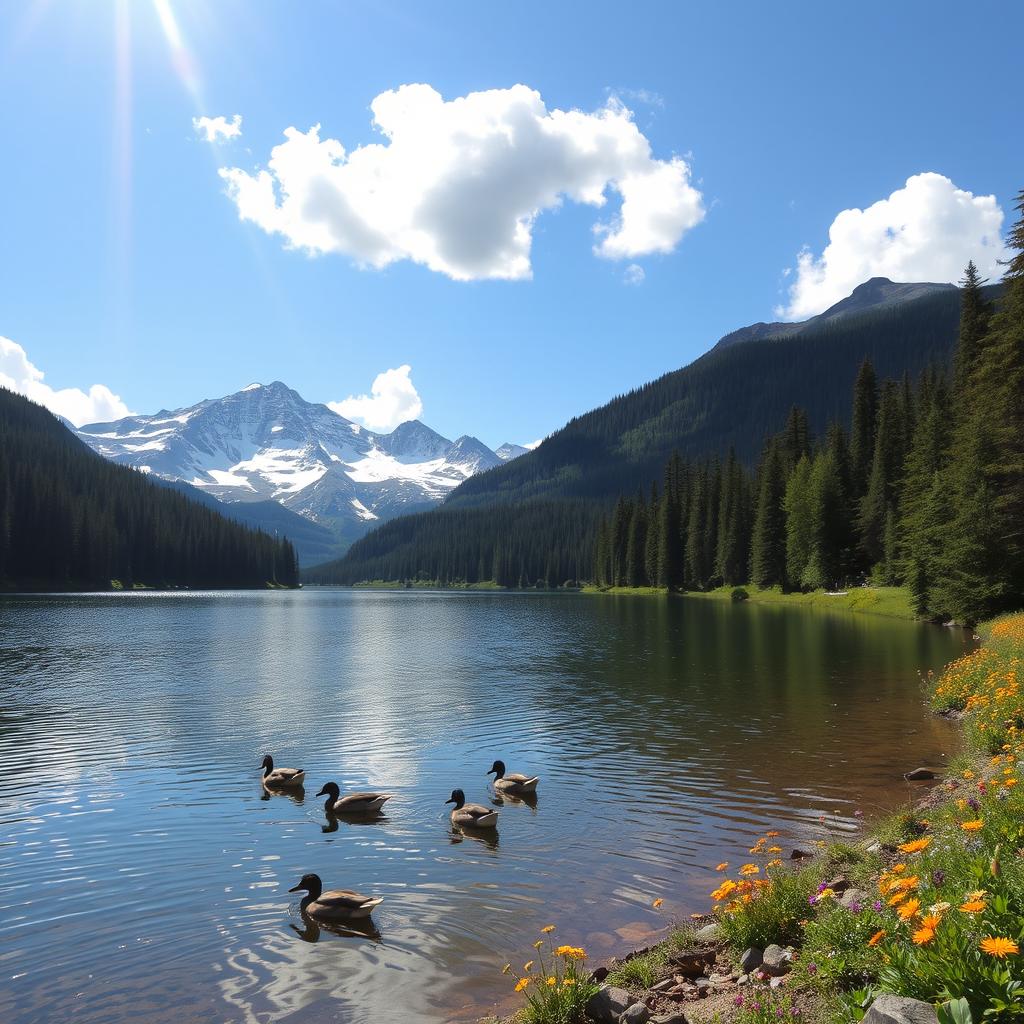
(143, 876)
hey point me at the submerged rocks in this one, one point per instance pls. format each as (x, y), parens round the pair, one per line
(890, 1009)
(920, 775)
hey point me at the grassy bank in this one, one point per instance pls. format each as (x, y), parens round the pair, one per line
(892, 601)
(928, 904)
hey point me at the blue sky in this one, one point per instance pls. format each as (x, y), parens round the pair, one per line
(125, 262)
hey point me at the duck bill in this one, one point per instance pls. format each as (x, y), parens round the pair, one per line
(323, 792)
(297, 888)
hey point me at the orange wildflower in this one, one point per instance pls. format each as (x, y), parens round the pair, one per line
(1000, 947)
(909, 909)
(972, 826)
(916, 846)
(876, 938)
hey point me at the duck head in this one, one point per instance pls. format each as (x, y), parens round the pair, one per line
(332, 792)
(310, 884)
(458, 798)
(268, 765)
(497, 770)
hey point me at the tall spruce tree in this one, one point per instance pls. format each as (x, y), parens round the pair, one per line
(768, 540)
(862, 429)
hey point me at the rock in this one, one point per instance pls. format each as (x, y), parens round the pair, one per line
(635, 1014)
(743, 979)
(777, 982)
(710, 933)
(854, 897)
(670, 1018)
(798, 854)
(660, 986)
(839, 884)
(703, 983)
(720, 979)
(875, 847)
(752, 959)
(889, 1009)
(776, 961)
(599, 974)
(608, 1004)
(693, 963)
(919, 775)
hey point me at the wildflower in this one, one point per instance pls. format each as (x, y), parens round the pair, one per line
(972, 826)
(923, 936)
(877, 906)
(776, 863)
(548, 929)
(978, 894)
(1000, 947)
(854, 907)
(898, 869)
(571, 952)
(939, 908)
(771, 835)
(968, 774)
(658, 902)
(738, 1001)
(876, 938)
(568, 982)
(973, 804)
(1010, 783)
(916, 846)
(550, 981)
(931, 921)
(812, 968)
(724, 866)
(898, 898)
(909, 909)
(528, 965)
(973, 906)
(775, 849)
(538, 944)
(750, 869)
(522, 983)
(908, 883)
(938, 877)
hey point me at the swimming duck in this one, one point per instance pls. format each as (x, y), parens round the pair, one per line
(472, 815)
(334, 904)
(513, 782)
(352, 803)
(279, 777)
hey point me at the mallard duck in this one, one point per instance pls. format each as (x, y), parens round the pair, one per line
(335, 904)
(512, 782)
(472, 815)
(352, 803)
(277, 778)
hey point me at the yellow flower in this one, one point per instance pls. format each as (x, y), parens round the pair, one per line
(968, 774)
(898, 869)
(973, 906)
(538, 944)
(771, 835)
(775, 849)
(898, 898)
(571, 952)
(550, 981)
(916, 846)
(548, 928)
(876, 938)
(923, 936)
(972, 826)
(978, 894)
(568, 982)
(776, 863)
(1000, 947)
(522, 983)
(907, 910)
(1010, 783)
(724, 866)
(658, 902)
(750, 869)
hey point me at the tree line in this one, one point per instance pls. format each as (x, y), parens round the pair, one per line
(926, 489)
(70, 519)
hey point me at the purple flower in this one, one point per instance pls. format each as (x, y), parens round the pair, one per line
(973, 804)
(756, 1006)
(812, 968)
(878, 906)
(822, 887)
(780, 1013)
(738, 1001)
(854, 907)
(938, 877)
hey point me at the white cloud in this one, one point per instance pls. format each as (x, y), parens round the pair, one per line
(393, 399)
(634, 274)
(218, 129)
(17, 373)
(925, 231)
(534, 444)
(457, 185)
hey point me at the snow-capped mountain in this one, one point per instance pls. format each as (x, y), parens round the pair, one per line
(509, 451)
(267, 442)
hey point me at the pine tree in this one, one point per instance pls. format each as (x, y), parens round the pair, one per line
(862, 429)
(797, 504)
(768, 541)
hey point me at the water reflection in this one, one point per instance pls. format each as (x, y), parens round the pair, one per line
(142, 873)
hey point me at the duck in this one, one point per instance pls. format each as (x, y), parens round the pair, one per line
(352, 803)
(512, 782)
(335, 904)
(277, 778)
(472, 815)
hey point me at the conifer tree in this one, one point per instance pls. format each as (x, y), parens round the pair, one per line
(768, 542)
(797, 503)
(862, 429)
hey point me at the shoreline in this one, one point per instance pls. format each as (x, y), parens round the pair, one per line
(818, 937)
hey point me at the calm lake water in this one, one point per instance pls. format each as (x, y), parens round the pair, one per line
(144, 878)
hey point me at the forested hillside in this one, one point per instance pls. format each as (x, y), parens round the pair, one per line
(927, 491)
(70, 519)
(733, 398)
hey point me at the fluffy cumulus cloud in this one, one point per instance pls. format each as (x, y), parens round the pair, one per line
(457, 185)
(97, 405)
(393, 399)
(925, 231)
(218, 129)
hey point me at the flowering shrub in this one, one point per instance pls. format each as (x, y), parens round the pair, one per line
(766, 1007)
(556, 984)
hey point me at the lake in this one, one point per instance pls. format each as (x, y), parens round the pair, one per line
(144, 876)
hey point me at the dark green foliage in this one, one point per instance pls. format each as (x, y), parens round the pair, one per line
(862, 428)
(69, 518)
(768, 542)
